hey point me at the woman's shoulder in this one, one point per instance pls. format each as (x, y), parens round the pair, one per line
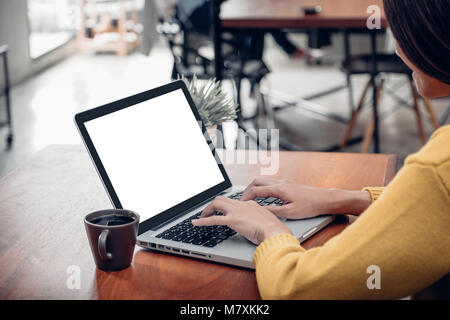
(436, 152)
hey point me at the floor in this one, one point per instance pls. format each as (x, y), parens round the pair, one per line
(44, 106)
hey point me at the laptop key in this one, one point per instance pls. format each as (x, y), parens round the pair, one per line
(179, 237)
(201, 240)
(203, 232)
(209, 244)
(270, 200)
(222, 236)
(212, 243)
(188, 239)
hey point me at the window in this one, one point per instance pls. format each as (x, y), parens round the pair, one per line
(52, 24)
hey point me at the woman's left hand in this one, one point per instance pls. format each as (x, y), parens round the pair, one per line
(248, 218)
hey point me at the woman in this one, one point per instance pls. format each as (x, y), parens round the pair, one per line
(404, 229)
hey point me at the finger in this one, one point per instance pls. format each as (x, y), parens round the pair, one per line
(211, 221)
(264, 182)
(261, 192)
(220, 203)
(280, 211)
(259, 182)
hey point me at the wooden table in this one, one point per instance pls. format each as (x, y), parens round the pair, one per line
(42, 206)
(285, 14)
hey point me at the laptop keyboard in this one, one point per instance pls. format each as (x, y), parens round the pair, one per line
(208, 236)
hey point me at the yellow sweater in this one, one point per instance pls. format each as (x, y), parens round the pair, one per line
(405, 232)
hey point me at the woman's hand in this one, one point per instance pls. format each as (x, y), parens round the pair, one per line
(248, 218)
(302, 201)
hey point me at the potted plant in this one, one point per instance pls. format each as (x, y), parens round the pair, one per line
(214, 106)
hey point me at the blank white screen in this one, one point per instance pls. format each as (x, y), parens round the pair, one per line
(155, 154)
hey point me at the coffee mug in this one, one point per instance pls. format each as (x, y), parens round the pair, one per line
(112, 237)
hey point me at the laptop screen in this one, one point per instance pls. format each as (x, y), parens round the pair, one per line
(154, 154)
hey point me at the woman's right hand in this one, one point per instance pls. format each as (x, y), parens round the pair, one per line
(301, 202)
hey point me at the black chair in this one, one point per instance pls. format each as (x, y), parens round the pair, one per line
(189, 61)
(386, 64)
(5, 92)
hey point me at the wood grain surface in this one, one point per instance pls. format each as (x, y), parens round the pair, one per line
(287, 14)
(42, 206)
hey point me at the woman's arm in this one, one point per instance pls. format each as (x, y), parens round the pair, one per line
(302, 201)
(404, 234)
(258, 223)
(349, 202)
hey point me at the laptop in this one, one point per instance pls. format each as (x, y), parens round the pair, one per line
(154, 157)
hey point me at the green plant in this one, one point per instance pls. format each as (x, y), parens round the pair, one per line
(213, 105)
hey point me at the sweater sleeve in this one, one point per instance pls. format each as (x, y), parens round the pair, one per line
(375, 192)
(404, 234)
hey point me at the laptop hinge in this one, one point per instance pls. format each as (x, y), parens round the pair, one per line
(162, 224)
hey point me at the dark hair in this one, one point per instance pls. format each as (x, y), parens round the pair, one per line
(422, 30)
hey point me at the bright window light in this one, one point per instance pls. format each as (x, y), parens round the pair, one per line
(52, 24)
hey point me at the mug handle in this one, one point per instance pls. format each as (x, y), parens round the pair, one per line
(102, 245)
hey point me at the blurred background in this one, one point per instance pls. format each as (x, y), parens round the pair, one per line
(59, 57)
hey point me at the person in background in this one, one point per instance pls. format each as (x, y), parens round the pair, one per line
(403, 230)
(197, 13)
